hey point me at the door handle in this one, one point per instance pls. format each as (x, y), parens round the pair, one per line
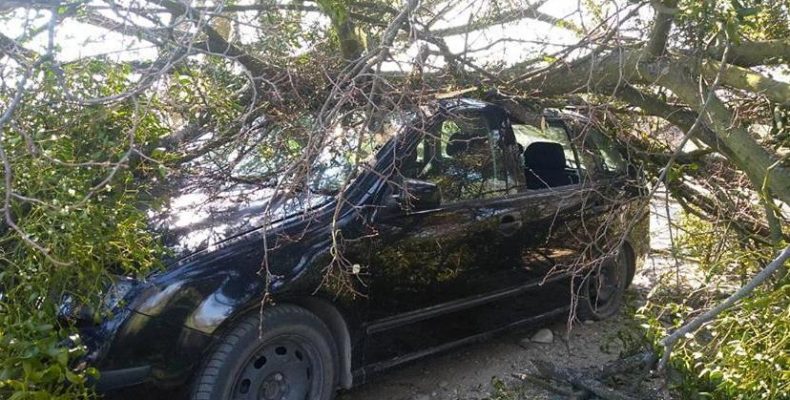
(510, 224)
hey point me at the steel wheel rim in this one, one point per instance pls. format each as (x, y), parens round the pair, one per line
(283, 368)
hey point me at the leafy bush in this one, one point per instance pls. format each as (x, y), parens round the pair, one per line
(745, 352)
(87, 230)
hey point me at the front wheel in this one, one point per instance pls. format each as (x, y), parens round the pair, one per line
(289, 355)
(602, 290)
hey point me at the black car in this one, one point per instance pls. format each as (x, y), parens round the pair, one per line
(467, 223)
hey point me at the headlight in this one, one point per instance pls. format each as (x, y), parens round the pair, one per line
(113, 297)
(116, 293)
(70, 310)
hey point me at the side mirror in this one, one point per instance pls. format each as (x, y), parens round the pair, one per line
(418, 195)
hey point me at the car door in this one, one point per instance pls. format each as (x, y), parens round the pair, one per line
(548, 201)
(423, 258)
(466, 265)
(608, 182)
(587, 207)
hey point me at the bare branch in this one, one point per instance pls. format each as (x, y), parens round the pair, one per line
(508, 16)
(691, 326)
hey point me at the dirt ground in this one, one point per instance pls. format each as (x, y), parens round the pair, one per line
(469, 372)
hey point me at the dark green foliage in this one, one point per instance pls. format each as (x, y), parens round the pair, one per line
(87, 219)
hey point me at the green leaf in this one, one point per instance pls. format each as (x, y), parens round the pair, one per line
(74, 378)
(549, 59)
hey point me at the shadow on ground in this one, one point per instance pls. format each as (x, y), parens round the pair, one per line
(469, 372)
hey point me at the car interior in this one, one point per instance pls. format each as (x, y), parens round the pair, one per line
(548, 156)
(545, 166)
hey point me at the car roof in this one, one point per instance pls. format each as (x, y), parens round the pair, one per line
(467, 104)
(470, 104)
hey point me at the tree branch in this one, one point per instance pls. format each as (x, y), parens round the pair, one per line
(507, 16)
(617, 69)
(691, 326)
(150, 35)
(750, 54)
(9, 47)
(662, 24)
(747, 154)
(745, 79)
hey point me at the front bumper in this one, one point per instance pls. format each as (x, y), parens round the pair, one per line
(131, 348)
(122, 378)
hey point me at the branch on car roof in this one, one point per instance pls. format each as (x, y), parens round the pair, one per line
(615, 72)
(612, 75)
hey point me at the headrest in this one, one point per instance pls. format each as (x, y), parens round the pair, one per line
(544, 155)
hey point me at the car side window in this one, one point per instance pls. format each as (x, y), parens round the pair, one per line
(613, 160)
(600, 152)
(548, 158)
(463, 156)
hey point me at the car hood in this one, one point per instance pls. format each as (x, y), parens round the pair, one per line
(193, 220)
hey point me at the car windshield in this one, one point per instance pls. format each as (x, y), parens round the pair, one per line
(273, 160)
(337, 164)
(345, 150)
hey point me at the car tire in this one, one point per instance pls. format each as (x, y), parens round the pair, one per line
(289, 354)
(631, 259)
(602, 289)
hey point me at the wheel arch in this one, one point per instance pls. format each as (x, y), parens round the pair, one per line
(338, 326)
(327, 313)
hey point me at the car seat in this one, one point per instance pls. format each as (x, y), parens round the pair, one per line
(545, 166)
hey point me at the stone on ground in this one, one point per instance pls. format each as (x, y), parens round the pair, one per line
(543, 336)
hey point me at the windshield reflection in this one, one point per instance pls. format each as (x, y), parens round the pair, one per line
(201, 211)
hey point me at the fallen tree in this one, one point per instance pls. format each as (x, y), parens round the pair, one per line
(223, 80)
(590, 381)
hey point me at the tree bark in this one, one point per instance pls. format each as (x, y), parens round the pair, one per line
(746, 153)
(665, 14)
(745, 79)
(609, 76)
(752, 54)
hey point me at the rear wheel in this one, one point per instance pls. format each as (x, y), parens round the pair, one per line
(603, 288)
(631, 264)
(290, 355)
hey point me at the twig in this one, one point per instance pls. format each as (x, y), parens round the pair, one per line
(579, 380)
(546, 385)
